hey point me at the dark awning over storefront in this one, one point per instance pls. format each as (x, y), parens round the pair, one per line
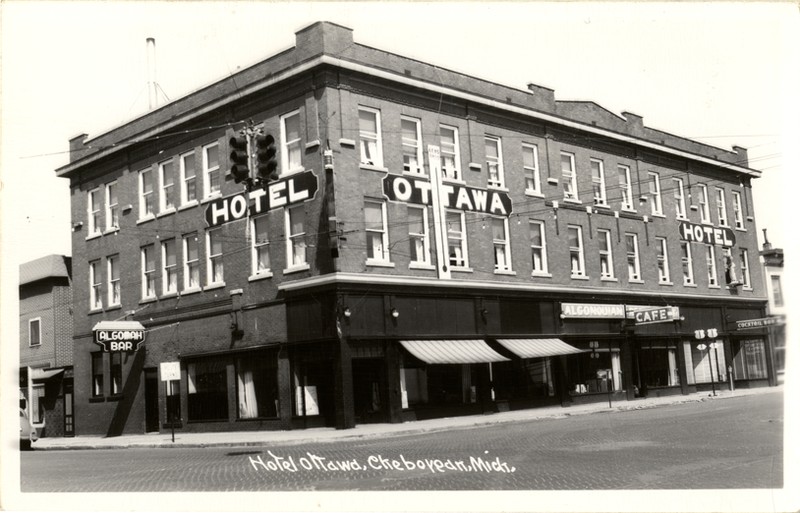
(44, 374)
(537, 347)
(452, 351)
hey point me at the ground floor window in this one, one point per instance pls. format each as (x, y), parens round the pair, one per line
(708, 364)
(437, 385)
(257, 386)
(531, 378)
(313, 383)
(658, 364)
(597, 369)
(36, 410)
(207, 389)
(750, 359)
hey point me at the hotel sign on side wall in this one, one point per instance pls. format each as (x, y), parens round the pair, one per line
(705, 234)
(406, 189)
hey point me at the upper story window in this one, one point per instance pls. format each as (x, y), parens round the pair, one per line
(598, 182)
(296, 239)
(456, 239)
(632, 250)
(654, 185)
(624, 174)
(738, 219)
(744, 263)
(501, 243)
(166, 180)
(606, 254)
(576, 259)
(112, 272)
(568, 178)
(494, 161)
(191, 263)
(291, 143)
(369, 132)
(259, 247)
(95, 286)
(148, 272)
(169, 267)
(377, 235)
(147, 198)
(662, 260)
(418, 235)
(212, 176)
(214, 264)
(705, 214)
(530, 167)
(35, 332)
(411, 136)
(451, 158)
(722, 210)
(680, 202)
(711, 266)
(188, 179)
(93, 211)
(538, 247)
(777, 290)
(686, 263)
(112, 206)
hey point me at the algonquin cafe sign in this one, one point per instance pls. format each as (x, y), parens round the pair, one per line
(405, 189)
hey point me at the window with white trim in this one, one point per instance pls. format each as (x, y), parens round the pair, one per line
(112, 273)
(632, 252)
(501, 244)
(147, 196)
(115, 372)
(212, 179)
(569, 180)
(191, 263)
(296, 240)
(722, 210)
(148, 271)
(93, 211)
(166, 181)
(214, 263)
(538, 247)
(738, 218)
(188, 178)
(624, 175)
(606, 254)
(494, 161)
(705, 214)
(259, 247)
(97, 374)
(112, 206)
(654, 185)
(530, 168)
(744, 263)
(35, 332)
(418, 234)
(369, 132)
(662, 260)
(576, 259)
(711, 266)
(291, 143)
(411, 142)
(95, 286)
(376, 232)
(449, 148)
(680, 201)
(777, 290)
(169, 267)
(456, 238)
(598, 182)
(686, 263)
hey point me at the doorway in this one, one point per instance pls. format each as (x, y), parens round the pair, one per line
(151, 400)
(369, 390)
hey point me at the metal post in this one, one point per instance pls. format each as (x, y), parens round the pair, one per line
(610, 374)
(711, 370)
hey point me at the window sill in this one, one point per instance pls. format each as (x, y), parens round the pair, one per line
(117, 306)
(211, 197)
(497, 187)
(260, 276)
(579, 277)
(573, 201)
(629, 210)
(668, 283)
(636, 281)
(188, 205)
(193, 290)
(541, 274)
(418, 265)
(146, 300)
(99, 399)
(748, 288)
(681, 218)
(739, 229)
(418, 174)
(379, 263)
(461, 269)
(534, 193)
(109, 231)
(96, 310)
(168, 295)
(609, 278)
(693, 285)
(474, 166)
(145, 219)
(212, 286)
(312, 144)
(714, 287)
(114, 398)
(296, 268)
(373, 167)
(658, 214)
(95, 235)
(292, 172)
(604, 206)
(347, 142)
(457, 181)
(506, 272)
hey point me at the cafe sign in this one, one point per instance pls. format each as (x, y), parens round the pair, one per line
(119, 336)
(653, 315)
(706, 234)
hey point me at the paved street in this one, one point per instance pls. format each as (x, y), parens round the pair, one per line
(728, 444)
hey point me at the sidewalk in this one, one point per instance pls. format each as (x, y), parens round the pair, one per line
(316, 435)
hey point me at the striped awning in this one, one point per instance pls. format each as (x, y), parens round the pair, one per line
(452, 351)
(537, 347)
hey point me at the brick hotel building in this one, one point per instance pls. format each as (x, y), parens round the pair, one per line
(435, 244)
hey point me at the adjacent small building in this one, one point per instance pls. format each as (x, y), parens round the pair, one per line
(773, 265)
(45, 334)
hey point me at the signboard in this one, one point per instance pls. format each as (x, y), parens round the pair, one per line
(706, 234)
(405, 189)
(118, 336)
(592, 311)
(280, 193)
(750, 324)
(656, 315)
(170, 371)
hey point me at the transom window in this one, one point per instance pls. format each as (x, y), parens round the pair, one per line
(494, 161)
(606, 255)
(411, 137)
(598, 182)
(451, 159)
(569, 180)
(369, 130)
(576, 258)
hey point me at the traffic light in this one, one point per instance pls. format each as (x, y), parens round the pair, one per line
(240, 160)
(266, 158)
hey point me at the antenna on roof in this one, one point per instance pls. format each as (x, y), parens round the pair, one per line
(151, 73)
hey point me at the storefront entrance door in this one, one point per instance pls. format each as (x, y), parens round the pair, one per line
(368, 390)
(151, 400)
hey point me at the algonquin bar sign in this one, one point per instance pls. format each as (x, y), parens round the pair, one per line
(411, 190)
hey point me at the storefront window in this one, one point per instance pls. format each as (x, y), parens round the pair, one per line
(37, 404)
(750, 361)
(531, 378)
(588, 374)
(437, 385)
(709, 363)
(97, 374)
(257, 386)
(116, 373)
(313, 384)
(208, 390)
(658, 365)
